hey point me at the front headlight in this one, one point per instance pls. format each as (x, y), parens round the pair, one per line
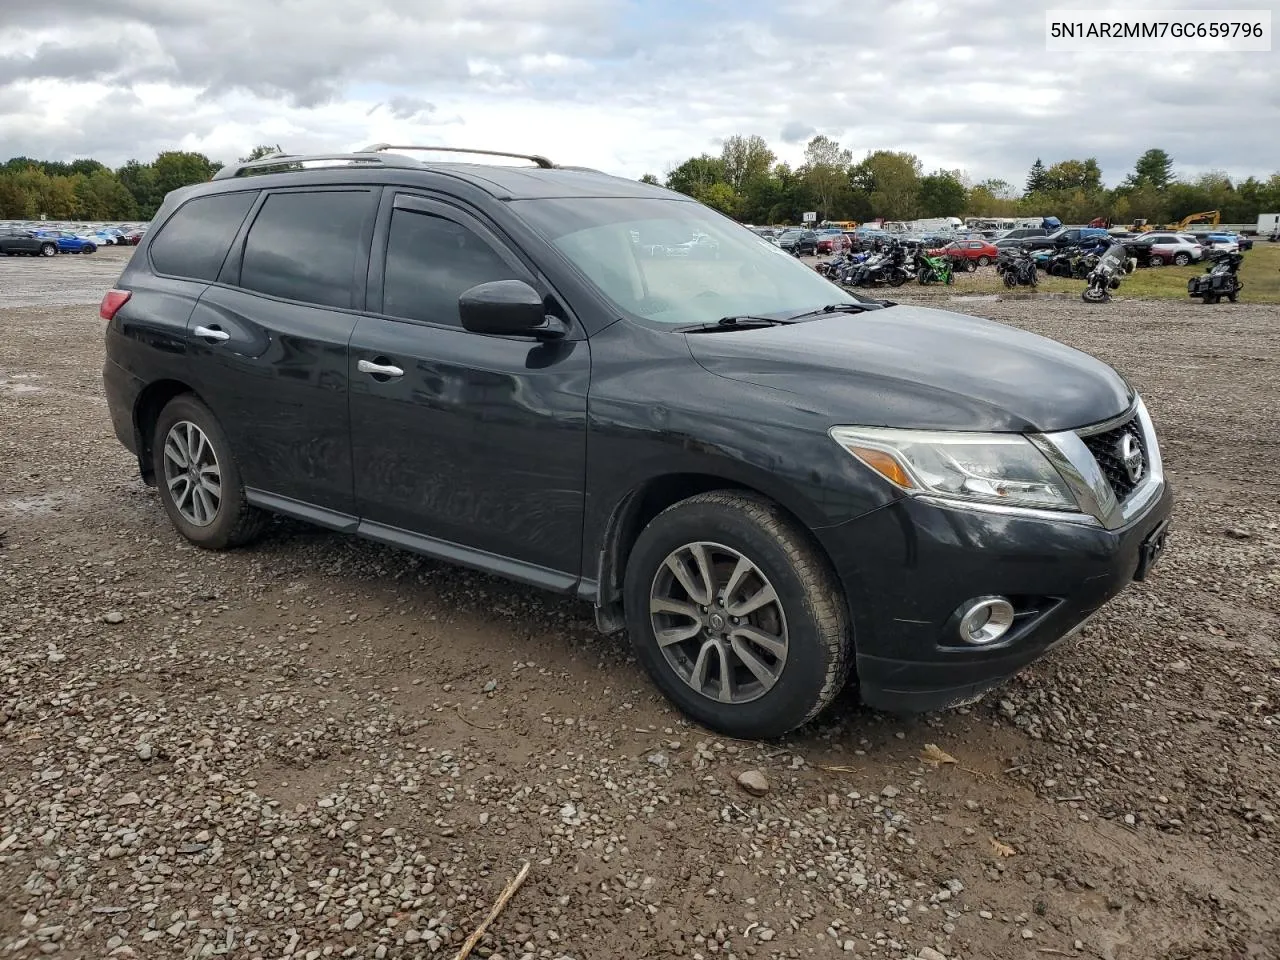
(1003, 468)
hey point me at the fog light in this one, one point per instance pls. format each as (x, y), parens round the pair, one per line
(985, 620)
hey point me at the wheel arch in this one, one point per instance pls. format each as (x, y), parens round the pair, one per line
(639, 506)
(146, 411)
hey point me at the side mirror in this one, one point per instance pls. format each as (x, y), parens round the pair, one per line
(507, 308)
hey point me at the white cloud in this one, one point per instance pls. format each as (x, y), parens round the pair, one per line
(625, 85)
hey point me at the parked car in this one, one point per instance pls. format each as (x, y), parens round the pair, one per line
(1021, 233)
(16, 242)
(1008, 243)
(134, 237)
(832, 241)
(802, 243)
(981, 252)
(1158, 249)
(772, 484)
(69, 242)
(1227, 242)
(1062, 238)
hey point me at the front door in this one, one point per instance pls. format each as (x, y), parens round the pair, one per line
(464, 444)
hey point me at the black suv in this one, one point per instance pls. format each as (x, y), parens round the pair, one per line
(770, 483)
(14, 242)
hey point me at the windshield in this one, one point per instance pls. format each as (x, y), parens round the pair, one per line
(638, 253)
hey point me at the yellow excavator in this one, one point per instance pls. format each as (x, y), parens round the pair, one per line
(1211, 217)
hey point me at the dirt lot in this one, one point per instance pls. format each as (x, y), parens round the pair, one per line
(321, 747)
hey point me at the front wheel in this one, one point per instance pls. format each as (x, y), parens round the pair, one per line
(1157, 261)
(48, 249)
(198, 479)
(1092, 294)
(736, 615)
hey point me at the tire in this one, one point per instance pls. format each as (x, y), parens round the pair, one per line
(90, 249)
(233, 522)
(983, 260)
(807, 612)
(1090, 295)
(1182, 259)
(48, 249)
(1156, 260)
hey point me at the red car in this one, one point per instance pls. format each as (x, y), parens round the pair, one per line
(833, 242)
(977, 250)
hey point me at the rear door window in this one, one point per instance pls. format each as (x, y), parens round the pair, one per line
(306, 245)
(194, 241)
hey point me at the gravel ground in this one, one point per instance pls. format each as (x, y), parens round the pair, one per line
(319, 747)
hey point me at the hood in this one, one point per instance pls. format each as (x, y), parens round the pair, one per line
(914, 367)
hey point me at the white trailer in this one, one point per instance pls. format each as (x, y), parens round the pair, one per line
(1268, 223)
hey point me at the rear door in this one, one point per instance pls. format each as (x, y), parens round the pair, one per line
(464, 443)
(269, 344)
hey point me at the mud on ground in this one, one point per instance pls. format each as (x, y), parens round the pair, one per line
(323, 747)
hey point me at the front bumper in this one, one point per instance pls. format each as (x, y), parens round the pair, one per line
(907, 568)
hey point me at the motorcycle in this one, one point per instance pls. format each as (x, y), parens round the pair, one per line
(1219, 279)
(933, 269)
(1107, 273)
(840, 268)
(1017, 268)
(888, 268)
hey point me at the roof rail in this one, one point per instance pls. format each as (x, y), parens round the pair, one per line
(541, 161)
(281, 159)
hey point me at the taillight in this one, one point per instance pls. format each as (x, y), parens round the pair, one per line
(113, 301)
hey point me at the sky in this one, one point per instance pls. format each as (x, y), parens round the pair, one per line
(626, 86)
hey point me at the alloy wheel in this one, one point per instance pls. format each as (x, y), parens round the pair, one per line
(719, 622)
(192, 473)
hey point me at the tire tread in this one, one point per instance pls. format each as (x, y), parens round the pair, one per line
(822, 593)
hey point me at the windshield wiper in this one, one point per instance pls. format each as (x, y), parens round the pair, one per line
(843, 308)
(741, 322)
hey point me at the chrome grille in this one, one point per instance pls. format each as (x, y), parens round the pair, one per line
(1106, 449)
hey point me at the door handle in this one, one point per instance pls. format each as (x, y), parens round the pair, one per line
(379, 369)
(212, 333)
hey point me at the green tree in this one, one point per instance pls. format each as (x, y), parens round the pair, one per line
(177, 168)
(722, 197)
(745, 159)
(650, 178)
(942, 194)
(140, 180)
(1153, 169)
(893, 182)
(826, 173)
(15, 203)
(260, 151)
(1072, 174)
(1037, 181)
(696, 173)
(101, 196)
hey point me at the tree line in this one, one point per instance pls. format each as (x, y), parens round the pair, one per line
(89, 190)
(746, 181)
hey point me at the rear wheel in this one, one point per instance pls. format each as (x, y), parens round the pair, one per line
(198, 478)
(983, 261)
(1157, 260)
(1182, 259)
(736, 616)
